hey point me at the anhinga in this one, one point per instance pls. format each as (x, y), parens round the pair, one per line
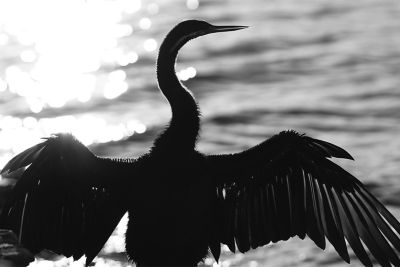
(182, 203)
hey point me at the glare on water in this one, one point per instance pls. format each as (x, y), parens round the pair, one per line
(63, 45)
(69, 53)
(66, 53)
(67, 41)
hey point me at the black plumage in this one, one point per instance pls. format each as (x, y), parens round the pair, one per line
(182, 203)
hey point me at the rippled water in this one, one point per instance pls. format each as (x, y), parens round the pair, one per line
(327, 68)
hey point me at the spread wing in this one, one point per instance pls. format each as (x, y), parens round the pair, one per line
(65, 200)
(287, 187)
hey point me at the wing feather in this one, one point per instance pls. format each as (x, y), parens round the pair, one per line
(230, 217)
(381, 224)
(289, 197)
(263, 223)
(333, 230)
(350, 231)
(376, 235)
(242, 233)
(272, 213)
(382, 210)
(62, 201)
(363, 231)
(283, 207)
(299, 196)
(287, 186)
(255, 225)
(314, 228)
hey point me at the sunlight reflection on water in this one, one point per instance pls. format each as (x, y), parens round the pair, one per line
(17, 134)
(63, 45)
(65, 52)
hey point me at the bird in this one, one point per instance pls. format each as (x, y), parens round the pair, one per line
(183, 204)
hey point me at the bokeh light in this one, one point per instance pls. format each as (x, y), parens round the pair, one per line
(150, 45)
(186, 74)
(116, 84)
(145, 23)
(192, 4)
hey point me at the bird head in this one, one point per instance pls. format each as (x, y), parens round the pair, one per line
(190, 29)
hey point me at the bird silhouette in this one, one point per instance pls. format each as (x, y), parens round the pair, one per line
(182, 203)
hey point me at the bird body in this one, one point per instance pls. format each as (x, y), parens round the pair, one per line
(183, 196)
(171, 212)
(183, 203)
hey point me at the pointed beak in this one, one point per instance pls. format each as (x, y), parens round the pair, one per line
(226, 28)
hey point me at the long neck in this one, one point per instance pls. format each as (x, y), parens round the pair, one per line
(185, 122)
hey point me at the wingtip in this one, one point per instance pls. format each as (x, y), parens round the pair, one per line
(5, 171)
(344, 254)
(89, 260)
(23, 159)
(341, 153)
(344, 155)
(7, 168)
(330, 149)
